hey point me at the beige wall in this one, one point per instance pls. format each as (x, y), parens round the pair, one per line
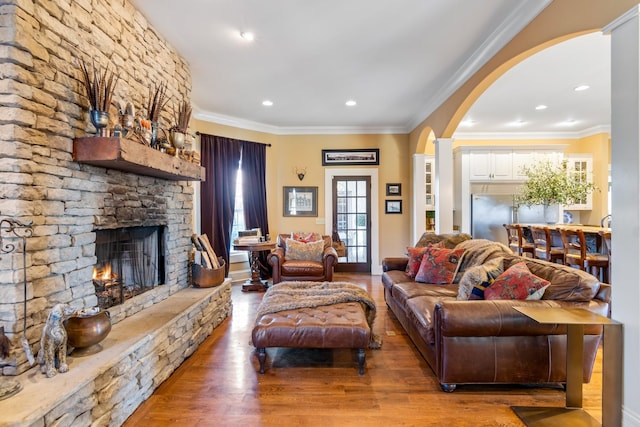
(305, 151)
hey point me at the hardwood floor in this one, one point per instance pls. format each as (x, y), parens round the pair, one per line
(219, 384)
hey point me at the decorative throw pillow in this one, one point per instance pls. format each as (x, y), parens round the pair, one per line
(301, 251)
(306, 237)
(517, 282)
(439, 265)
(477, 278)
(415, 257)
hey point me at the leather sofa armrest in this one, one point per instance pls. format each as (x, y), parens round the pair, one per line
(498, 318)
(276, 257)
(395, 263)
(330, 255)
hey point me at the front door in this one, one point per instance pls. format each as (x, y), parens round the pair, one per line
(352, 220)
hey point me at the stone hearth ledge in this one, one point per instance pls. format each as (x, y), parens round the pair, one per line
(139, 353)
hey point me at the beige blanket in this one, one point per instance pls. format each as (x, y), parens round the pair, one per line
(294, 295)
(477, 252)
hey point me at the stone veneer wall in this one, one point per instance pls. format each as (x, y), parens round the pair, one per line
(43, 106)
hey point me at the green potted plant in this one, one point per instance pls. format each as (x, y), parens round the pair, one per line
(550, 185)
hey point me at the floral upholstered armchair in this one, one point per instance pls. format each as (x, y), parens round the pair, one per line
(303, 256)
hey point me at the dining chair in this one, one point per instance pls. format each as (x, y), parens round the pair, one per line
(544, 248)
(516, 240)
(576, 254)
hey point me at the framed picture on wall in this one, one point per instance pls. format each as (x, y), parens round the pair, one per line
(351, 157)
(394, 189)
(300, 201)
(393, 206)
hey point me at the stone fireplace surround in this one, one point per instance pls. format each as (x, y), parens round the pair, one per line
(43, 109)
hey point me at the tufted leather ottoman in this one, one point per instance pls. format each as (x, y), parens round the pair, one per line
(342, 325)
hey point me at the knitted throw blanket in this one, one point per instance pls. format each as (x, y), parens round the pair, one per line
(294, 295)
(479, 251)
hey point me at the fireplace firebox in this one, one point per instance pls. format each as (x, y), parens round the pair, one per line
(130, 261)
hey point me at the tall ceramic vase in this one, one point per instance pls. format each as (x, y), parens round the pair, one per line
(551, 213)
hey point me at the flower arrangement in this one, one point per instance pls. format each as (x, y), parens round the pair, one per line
(550, 184)
(182, 116)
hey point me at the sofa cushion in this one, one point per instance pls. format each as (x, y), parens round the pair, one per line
(420, 312)
(302, 268)
(517, 282)
(450, 240)
(567, 283)
(415, 257)
(439, 265)
(300, 251)
(476, 279)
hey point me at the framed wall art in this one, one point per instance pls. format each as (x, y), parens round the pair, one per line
(300, 201)
(394, 189)
(351, 157)
(393, 206)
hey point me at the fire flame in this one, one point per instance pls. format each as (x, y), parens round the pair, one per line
(105, 274)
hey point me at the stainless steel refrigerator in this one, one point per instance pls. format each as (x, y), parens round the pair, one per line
(490, 211)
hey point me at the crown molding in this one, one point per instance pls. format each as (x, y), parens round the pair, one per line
(533, 135)
(511, 26)
(294, 130)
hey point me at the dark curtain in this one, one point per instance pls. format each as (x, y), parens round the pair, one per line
(254, 194)
(221, 157)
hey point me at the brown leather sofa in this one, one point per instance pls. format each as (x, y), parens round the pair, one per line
(283, 269)
(488, 341)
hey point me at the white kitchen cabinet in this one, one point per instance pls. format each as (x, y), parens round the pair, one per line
(424, 197)
(429, 183)
(580, 167)
(528, 158)
(491, 165)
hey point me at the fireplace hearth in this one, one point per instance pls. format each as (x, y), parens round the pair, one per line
(130, 261)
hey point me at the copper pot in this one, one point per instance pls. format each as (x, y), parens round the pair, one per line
(84, 333)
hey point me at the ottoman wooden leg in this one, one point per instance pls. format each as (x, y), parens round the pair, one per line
(262, 357)
(361, 358)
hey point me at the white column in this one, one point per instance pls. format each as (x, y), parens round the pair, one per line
(625, 209)
(444, 185)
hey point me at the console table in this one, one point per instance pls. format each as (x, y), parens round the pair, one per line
(255, 283)
(572, 414)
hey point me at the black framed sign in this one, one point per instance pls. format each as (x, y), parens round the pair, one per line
(394, 189)
(393, 206)
(351, 157)
(300, 201)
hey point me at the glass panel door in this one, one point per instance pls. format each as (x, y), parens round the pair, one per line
(352, 221)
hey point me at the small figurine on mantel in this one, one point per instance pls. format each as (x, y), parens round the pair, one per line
(53, 343)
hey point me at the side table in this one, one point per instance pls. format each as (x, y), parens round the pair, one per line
(255, 284)
(572, 414)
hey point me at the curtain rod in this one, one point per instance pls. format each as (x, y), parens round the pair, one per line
(268, 145)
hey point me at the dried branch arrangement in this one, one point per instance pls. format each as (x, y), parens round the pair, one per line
(99, 85)
(157, 101)
(182, 117)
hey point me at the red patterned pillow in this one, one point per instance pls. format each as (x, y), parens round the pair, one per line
(439, 265)
(305, 237)
(517, 282)
(415, 257)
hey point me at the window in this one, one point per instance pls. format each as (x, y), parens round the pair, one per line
(238, 212)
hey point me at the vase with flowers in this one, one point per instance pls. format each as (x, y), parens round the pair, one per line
(550, 185)
(99, 86)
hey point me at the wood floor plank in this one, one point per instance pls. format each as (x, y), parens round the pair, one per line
(220, 384)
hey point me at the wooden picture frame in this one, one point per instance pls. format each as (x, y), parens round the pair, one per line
(394, 189)
(300, 201)
(351, 157)
(393, 206)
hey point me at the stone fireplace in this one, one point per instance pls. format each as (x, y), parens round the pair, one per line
(70, 204)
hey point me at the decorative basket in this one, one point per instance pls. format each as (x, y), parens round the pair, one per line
(340, 248)
(207, 277)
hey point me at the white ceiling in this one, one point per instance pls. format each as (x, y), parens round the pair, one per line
(399, 60)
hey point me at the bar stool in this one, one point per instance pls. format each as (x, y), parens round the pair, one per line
(576, 255)
(517, 243)
(606, 238)
(543, 242)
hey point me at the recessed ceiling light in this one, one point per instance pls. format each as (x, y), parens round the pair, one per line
(541, 107)
(570, 122)
(267, 103)
(350, 103)
(467, 123)
(581, 88)
(247, 35)
(517, 123)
